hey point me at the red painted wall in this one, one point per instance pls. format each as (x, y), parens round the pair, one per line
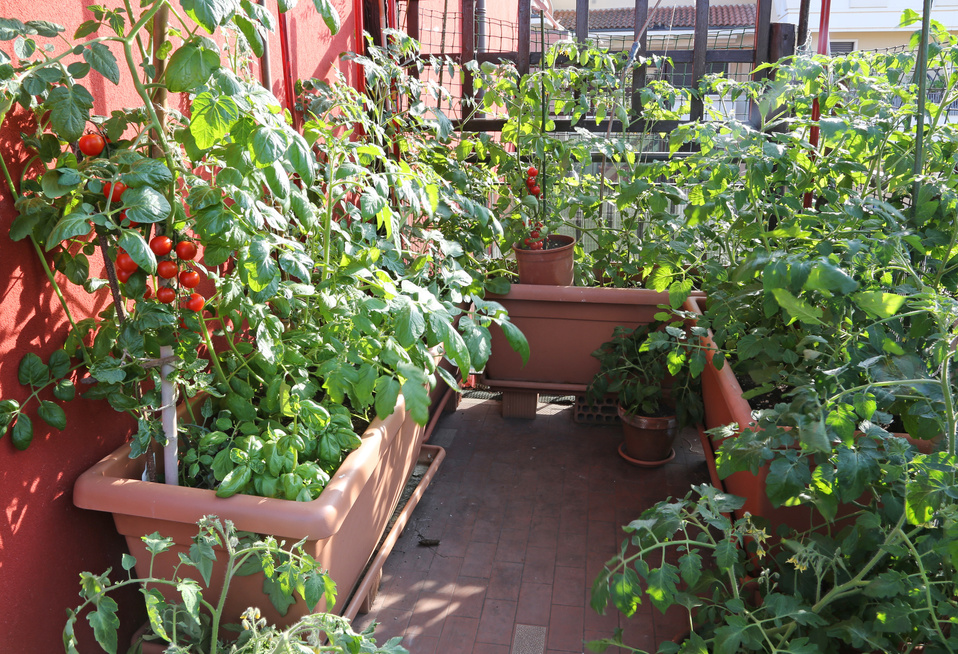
(44, 541)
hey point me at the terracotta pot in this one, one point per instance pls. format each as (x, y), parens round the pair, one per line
(564, 325)
(648, 440)
(547, 267)
(341, 528)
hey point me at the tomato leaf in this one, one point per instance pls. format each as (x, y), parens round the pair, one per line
(136, 246)
(101, 59)
(52, 414)
(212, 118)
(69, 110)
(146, 205)
(190, 67)
(70, 225)
(22, 432)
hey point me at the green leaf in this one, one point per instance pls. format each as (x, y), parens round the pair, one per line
(32, 370)
(661, 586)
(128, 561)
(387, 393)
(212, 118)
(86, 28)
(71, 225)
(156, 607)
(136, 246)
(726, 555)
(798, 309)
(252, 35)
(22, 432)
(9, 409)
(787, 479)
(329, 14)
(626, 592)
(69, 108)
(827, 277)
(267, 145)
(147, 172)
(285, 5)
(11, 28)
(190, 67)
(516, 339)
(52, 414)
(410, 325)
(878, 304)
(101, 59)
(301, 157)
(45, 28)
(105, 623)
(55, 183)
(190, 592)
(208, 13)
(146, 205)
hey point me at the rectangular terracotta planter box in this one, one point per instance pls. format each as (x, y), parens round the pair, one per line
(564, 325)
(342, 527)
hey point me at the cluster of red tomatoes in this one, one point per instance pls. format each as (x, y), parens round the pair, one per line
(535, 240)
(92, 145)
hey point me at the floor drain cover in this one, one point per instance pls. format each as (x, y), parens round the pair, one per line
(529, 639)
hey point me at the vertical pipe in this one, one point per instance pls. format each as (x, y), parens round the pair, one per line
(287, 68)
(816, 110)
(700, 46)
(481, 26)
(265, 67)
(581, 20)
(803, 11)
(168, 413)
(525, 36)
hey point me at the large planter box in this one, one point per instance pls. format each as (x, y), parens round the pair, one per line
(341, 528)
(564, 325)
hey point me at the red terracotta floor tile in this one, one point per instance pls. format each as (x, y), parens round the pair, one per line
(512, 545)
(497, 622)
(458, 634)
(535, 604)
(527, 512)
(478, 560)
(568, 587)
(468, 597)
(505, 581)
(565, 628)
(489, 648)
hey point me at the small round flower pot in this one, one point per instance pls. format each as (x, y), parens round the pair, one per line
(648, 440)
(552, 266)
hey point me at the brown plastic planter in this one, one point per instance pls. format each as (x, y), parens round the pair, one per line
(563, 325)
(341, 528)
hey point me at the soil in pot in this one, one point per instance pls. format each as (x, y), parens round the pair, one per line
(648, 440)
(552, 265)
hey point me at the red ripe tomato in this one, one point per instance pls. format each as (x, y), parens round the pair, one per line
(189, 279)
(113, 191)
(536, 246)
(126, 263)
(165, 294)
(534, 233)
(124, 275)
(166, 269)
(147, 292)
(186, 250)
(196, 302)
(536, 191)
(91, 144)
(161, 245)
(533, 171)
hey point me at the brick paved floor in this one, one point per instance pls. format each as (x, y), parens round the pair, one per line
(526, 512)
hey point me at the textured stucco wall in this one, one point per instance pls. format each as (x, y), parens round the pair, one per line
(44, 541)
